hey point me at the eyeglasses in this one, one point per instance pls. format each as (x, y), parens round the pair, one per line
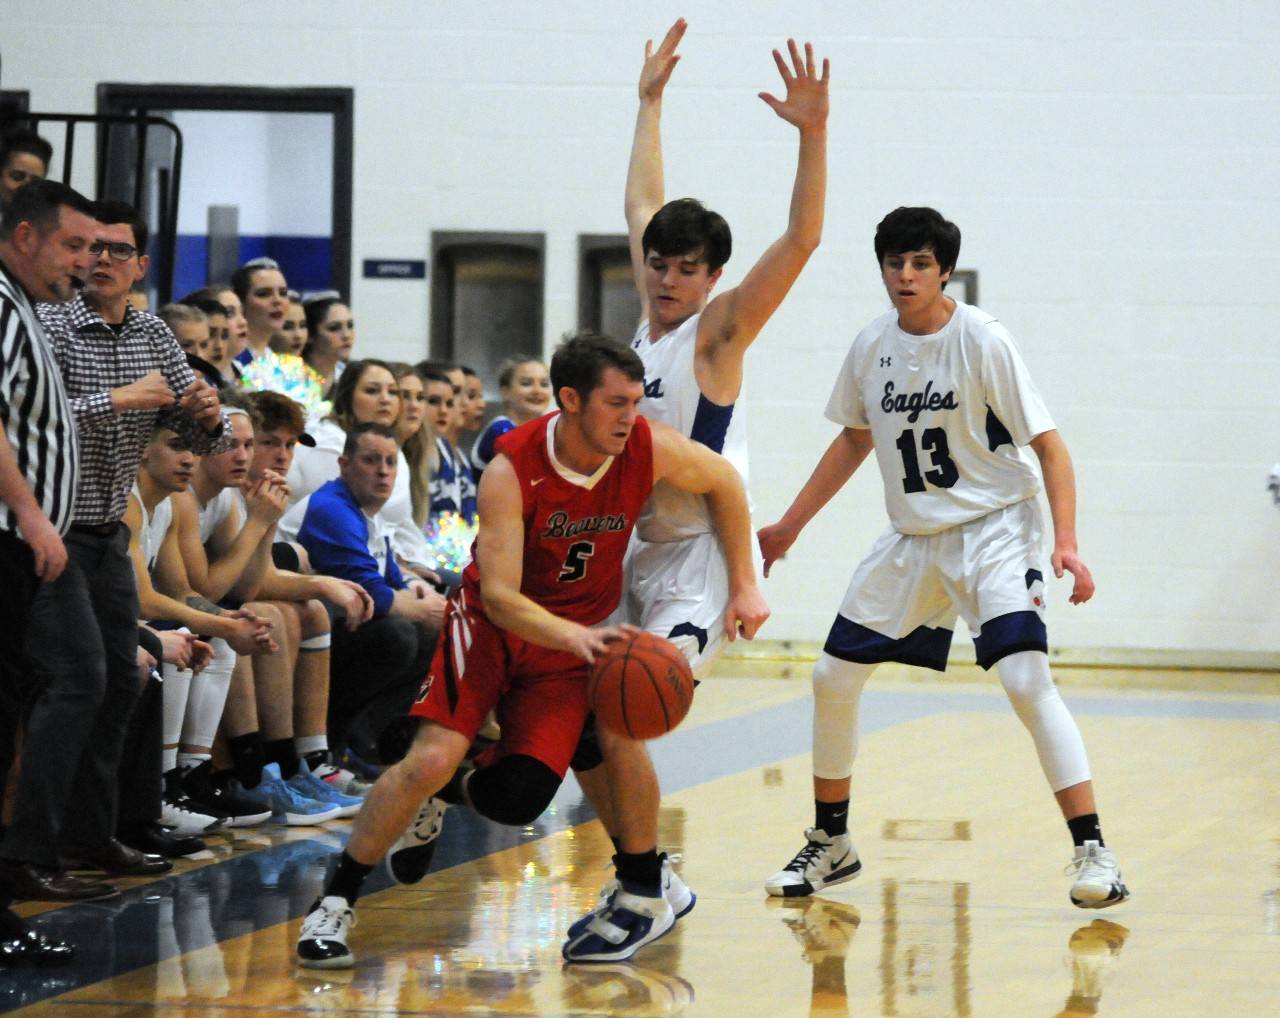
(120, 252)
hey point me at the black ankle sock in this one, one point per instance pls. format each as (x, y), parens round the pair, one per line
(452, 790)
(832, 817)
(283, 752)
(316, 758)
(617, 844)
(247, 757)
(640, 872)
(1086, 828)
(347, 878)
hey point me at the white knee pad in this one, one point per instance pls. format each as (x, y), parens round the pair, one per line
(1035, 699)
(837, 688)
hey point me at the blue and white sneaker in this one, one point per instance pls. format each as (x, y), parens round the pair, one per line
(620, 929)
(288, 805)
(678, 894)
(307, 784)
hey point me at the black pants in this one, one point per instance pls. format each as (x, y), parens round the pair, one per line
(139, 783)
(18, 586)
(83, 641)
(374, 673)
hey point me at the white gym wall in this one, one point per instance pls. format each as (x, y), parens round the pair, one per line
(1113, 169)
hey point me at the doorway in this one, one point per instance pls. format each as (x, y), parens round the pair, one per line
(267, 172)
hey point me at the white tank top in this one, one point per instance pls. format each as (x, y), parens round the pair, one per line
(217, 510)
(154, 527)
(672, 396)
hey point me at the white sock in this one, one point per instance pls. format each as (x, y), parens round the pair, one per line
(209, 696)
(304, 744)
(174, 691)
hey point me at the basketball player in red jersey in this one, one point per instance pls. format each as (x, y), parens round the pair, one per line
(557, 506)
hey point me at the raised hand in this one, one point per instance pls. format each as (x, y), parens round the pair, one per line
(658, 66)
(806, 103)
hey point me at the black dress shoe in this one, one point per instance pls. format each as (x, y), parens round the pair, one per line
(44, 883)
(160, 840)
(118, 860)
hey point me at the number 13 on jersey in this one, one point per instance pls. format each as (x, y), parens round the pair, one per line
(933, 441)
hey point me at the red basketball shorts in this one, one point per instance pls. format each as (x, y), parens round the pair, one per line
(540, 695)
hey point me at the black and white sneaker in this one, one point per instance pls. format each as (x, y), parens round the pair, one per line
(824, 860)
(322, 943)
(1098, 883)
(410, 857)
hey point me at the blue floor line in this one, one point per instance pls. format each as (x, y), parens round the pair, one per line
(261, 889)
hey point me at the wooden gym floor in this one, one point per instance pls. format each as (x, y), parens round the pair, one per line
(961, 908)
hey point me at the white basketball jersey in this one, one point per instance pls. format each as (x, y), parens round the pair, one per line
(154, 527)
(217, 510)
(672, 396)
(949, 415)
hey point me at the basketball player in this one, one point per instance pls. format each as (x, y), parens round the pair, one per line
(557, 506)
(938, 390)
(693, 349)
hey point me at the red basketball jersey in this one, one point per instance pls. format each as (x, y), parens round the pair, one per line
(575, 536)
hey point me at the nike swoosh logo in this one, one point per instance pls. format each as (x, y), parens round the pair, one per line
(836, 865)
(536, 482)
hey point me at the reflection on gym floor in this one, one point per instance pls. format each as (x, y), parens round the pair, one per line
(961, 908)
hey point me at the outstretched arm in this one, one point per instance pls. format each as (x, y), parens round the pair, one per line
(644, 174)
(687, 465)
(843, 456)
(1060, 487)
(735, 318)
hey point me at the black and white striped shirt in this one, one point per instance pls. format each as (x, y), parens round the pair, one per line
(34, 410)
(96, 358)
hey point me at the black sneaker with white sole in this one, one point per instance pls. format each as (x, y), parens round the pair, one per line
(322, 943)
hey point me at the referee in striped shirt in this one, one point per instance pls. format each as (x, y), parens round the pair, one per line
(45, 237)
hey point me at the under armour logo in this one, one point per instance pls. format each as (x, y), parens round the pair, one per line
(886, 362)
(653, 390)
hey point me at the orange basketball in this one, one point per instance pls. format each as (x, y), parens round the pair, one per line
(641, 686)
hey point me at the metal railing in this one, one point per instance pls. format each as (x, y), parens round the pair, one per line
(167, 183)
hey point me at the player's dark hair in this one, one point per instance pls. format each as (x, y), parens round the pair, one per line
(918, 229)
(352, 443)
(686, 225)
(39, 202)
(580, 361)
(276, 412)
(110, 212)
(20, 139)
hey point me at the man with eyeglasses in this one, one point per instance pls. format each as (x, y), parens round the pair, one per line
(119, 366)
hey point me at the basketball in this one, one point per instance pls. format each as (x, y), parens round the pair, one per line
(641, 686)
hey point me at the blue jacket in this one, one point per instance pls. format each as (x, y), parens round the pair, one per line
(335, 532)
